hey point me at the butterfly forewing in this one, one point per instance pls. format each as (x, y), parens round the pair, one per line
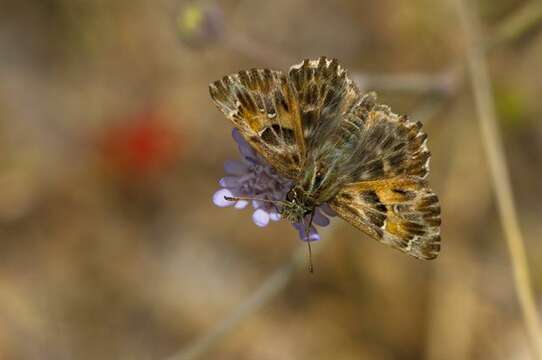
(262, 105)
(325, 94)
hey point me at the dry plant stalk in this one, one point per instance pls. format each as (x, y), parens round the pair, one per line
(271, 287)
(481, 85)
(517, 25)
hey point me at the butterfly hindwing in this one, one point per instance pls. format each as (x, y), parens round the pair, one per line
(383, 188)
(367, 143)
(401, 212)
(262, 105)
(373, 143)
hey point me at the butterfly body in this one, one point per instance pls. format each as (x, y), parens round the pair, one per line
(297, 205)
(338, 147)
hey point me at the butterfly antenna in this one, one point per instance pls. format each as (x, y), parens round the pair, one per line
(310, 267)
(237, 198)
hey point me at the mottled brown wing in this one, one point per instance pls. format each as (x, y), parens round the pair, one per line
(263, 106)
(325, 95)
(370, 142)
(401, 212)
(389, 145)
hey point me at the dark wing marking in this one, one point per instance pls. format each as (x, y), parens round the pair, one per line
(379, 144)
(402, 212)
(390, 146)
(368, 143)
(262, 105)
(325, 94)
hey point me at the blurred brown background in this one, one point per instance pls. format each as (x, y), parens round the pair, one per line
(110, 151)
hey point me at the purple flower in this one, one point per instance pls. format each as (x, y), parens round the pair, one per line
(253, 177)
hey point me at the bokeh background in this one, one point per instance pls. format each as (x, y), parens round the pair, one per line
(111, 149)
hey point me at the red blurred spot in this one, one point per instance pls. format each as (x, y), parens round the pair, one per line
(141, 145)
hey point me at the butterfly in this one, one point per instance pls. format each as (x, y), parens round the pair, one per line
(340, 147)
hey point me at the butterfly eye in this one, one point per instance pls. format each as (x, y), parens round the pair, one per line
(291, 195)
(318, 179)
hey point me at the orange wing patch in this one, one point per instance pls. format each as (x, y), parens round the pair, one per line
(401, 212)
(261, 104)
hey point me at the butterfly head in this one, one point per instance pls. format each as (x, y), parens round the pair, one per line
(296, 206)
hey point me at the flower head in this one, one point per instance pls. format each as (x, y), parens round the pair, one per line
(253, 177)
(200, 24)
(140, 145)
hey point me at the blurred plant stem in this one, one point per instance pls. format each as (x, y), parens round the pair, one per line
(517, 25)
(492, 143)
(408, 82)
(511, 29)
(264, 53)
(451, 334)
(270, 287)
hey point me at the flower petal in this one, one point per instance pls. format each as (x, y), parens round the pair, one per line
(320, 218)
(219, 200)
(241, 204)
(229, 182)
(313, 234)
(260, 218)
(247, 151)
(235, 167)
(327, 210)
(257, 204)
(274, 216)
(236, 135)
(244, 148)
